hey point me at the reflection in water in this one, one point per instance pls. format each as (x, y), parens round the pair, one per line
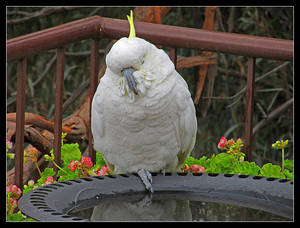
(161, 208)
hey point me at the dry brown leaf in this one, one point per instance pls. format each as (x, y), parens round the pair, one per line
(208, 24)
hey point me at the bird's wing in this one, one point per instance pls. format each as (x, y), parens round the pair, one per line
(97, 121)
(187, 119)
(97, 117)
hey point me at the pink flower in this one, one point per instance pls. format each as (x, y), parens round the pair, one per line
(194, 168)
(49, 180)
(13, 203)
(202, 169)
(222, 143)
(197, 169)
(87, 162)
(12, 195)
(17, 191)
(14, 191)
(73, 165)
(103, 171)
(186, 168)
(8, 188)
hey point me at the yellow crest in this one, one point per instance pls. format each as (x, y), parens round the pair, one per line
(132, 30)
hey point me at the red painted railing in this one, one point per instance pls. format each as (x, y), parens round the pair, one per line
(97, 27)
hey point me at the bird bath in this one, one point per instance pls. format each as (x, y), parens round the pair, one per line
(176, 197)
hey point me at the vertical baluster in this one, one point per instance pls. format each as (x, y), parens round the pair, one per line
(20, 121)
(59, 81)
(249, 107)
(93, 87)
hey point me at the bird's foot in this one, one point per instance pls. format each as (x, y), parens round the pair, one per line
(163, 171)
(145, 202)
(146, 177)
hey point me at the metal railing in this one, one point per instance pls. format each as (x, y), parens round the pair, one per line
(97, 27)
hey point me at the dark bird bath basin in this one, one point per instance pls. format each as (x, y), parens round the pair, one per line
(177, 196)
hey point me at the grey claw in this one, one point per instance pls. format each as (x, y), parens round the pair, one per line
(146, 177)
(146, 201)
(149, 176)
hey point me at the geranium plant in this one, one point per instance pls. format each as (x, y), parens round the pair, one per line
(232, 161)
(74, 165)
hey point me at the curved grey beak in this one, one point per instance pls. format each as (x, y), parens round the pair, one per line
(130, 80)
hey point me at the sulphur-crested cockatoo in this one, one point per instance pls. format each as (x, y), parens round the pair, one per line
(143, 117)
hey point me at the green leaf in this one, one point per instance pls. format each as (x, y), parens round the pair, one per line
(70, 152)
(10, 155)
(248, 168)
(193, 161)
(223, 163)
(18, 217)
(27, 189)
(270, 170)
(100, 160)
(45, 174)
(229, 164)
(70, 176)
(288, 174)
(289, 164)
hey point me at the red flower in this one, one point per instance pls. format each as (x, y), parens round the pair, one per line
(222, 143)
(194, 168)
(11, 205)
(197, 169)
(14, 191)
(49, 181)
(103, 171)
(73, 165)
(202, 169)
(86, 161)
(186, 168)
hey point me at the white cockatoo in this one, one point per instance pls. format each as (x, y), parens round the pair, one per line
(143, 117)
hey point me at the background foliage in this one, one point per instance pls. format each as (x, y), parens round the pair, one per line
(221, 117)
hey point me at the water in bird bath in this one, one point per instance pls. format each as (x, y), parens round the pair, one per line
(167, 207)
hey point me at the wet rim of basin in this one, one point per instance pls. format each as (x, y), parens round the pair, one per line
(53, 201)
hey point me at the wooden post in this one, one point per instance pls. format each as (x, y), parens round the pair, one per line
(59, 81)
(249, 108)
(93, 87)
(20, 121)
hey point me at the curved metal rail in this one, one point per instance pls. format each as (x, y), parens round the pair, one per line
(172, 36)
